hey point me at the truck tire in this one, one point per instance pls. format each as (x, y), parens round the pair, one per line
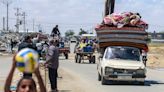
(93, 59)
(75, 58)
(66, 56)
(90, 61)
(103, 80)
(99, 77)
(78, 58)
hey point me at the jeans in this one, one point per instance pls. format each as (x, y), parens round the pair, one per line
(53, 78)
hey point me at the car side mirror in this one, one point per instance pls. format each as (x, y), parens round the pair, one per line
(144, 58)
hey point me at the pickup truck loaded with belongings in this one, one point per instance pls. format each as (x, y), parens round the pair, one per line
(123, 29)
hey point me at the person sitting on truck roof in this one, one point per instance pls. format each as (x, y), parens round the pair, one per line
(55, 31)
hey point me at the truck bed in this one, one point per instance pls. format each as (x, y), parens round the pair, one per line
(64, 50)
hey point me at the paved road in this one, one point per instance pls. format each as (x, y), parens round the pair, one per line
(5, 65)
(87, 73)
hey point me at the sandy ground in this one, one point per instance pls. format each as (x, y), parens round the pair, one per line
(67, 82)
(156, 57)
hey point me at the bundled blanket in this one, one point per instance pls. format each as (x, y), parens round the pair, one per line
(124, 19)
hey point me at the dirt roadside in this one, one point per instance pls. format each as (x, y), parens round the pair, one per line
(68, 82)
(156, 57)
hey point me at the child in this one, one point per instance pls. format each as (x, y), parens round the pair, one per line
(26, 83)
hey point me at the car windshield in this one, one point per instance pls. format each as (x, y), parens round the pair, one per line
(125, 53)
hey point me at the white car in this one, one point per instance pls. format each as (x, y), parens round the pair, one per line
(120, 63)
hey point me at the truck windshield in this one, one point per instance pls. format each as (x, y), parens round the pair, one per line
(125, 53)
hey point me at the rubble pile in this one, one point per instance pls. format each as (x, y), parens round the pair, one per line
(5, 40)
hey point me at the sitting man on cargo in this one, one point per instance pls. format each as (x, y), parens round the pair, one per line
(82, 44)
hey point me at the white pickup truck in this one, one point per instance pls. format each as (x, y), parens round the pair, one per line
(121, 63)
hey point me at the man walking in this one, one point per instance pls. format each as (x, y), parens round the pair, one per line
(52, 62)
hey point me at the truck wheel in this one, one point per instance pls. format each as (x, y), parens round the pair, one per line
(90, 61)
(75, 58)
(66, 56)
(78, 58)
(93, 59)
(99, 77)
(103, 80)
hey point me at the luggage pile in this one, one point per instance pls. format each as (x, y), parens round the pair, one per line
(125, 19)
(121, 32)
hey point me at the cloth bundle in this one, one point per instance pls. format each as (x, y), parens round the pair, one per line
(124, 19)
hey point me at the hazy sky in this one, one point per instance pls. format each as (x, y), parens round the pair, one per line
(76, 14)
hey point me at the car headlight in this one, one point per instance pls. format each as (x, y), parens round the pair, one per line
(140, 71)
(108, 70)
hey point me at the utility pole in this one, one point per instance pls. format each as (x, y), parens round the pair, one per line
(24, 21)
(17, 21)
(7, 17)
(3, 23)
(39, 28)
(33, 25)
(7, 3)
(27, 30)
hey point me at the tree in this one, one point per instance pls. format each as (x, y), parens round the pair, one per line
(69, 33)
(82, 31)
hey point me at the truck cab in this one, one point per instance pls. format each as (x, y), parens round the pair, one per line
(121, 63)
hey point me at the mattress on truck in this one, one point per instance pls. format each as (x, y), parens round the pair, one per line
(126, 36)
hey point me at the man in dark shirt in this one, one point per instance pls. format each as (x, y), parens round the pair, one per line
(52, 62)
(27, 43)
(55, 31)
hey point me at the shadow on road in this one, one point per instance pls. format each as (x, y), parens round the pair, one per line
(153, 82)
(146, 83)
(85, 62)
(64, 90)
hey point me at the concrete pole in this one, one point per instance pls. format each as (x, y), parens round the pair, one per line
(24, 19)
(18, 22)
(33, 25)
(7, 3)
(7, 17)
(3, 23)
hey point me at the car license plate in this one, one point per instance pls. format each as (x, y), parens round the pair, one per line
(125, 77)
